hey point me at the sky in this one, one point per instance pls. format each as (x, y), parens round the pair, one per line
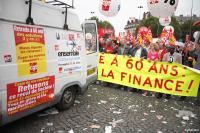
(129, 8)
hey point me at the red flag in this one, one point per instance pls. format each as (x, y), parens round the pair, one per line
(128, 36)
(133, 39)
(100, 32)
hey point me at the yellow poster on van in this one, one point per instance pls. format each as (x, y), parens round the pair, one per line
(30, 50)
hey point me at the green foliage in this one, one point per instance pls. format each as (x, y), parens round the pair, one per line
(102, 24)
(156, 28)
(153, 24)
(185, 27)
(177, 28)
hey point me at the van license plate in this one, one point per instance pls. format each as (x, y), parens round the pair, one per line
(90, 71)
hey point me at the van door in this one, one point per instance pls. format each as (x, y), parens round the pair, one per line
(92, 49)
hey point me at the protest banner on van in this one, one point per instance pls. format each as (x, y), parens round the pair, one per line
(169, 78)
(68, 49)
(28, 94)
(30, 50)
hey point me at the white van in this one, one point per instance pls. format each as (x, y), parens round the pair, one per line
(45, 57)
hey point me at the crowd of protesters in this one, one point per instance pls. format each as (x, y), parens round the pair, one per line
(187, 54)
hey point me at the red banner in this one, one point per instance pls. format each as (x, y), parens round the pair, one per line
(28, 94)
(25, 34)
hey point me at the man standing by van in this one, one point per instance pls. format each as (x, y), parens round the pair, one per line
(122, 49)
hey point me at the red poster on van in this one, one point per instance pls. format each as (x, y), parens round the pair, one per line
(27, 94)
(30, 50)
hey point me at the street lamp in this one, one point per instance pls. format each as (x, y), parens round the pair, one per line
(191, 20)
(140, 7)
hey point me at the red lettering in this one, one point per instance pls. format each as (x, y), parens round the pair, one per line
(178, 84)
(110, 74)
(135, 78)
(174, 68)
(115, 61)
(139, 65)
(123, 75)
(165, 84)
(129, 64)
(164, 68)
(147, 81)
(190, 85)
(158, 83)
(129, 80)
(101, 59)
(153, 68)
(102, 74)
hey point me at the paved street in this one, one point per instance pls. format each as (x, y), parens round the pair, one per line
(125, 112)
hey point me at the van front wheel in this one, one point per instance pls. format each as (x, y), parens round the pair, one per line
(67, 99)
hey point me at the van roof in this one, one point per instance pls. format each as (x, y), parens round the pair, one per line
(42, 14)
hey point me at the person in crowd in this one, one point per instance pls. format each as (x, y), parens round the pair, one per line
(190, 57)
(109, 50)
(146, 45)
(153, 55)
(197, 64)
(190, 54)
(90, 44)
(184, 54)
(171, 56)
(122, 49)
(138, 51)
(114, 43)
(197, 56)
(109, 46)
(102, 45)
(162, 49)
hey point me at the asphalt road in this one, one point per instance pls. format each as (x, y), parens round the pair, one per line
(121, 111)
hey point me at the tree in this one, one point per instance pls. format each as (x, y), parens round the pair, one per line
(153, 23)
(185, 27)
(177, 28)
(102, 24)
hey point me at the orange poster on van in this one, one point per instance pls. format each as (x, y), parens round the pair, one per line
(27, 94)
(30, 50)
